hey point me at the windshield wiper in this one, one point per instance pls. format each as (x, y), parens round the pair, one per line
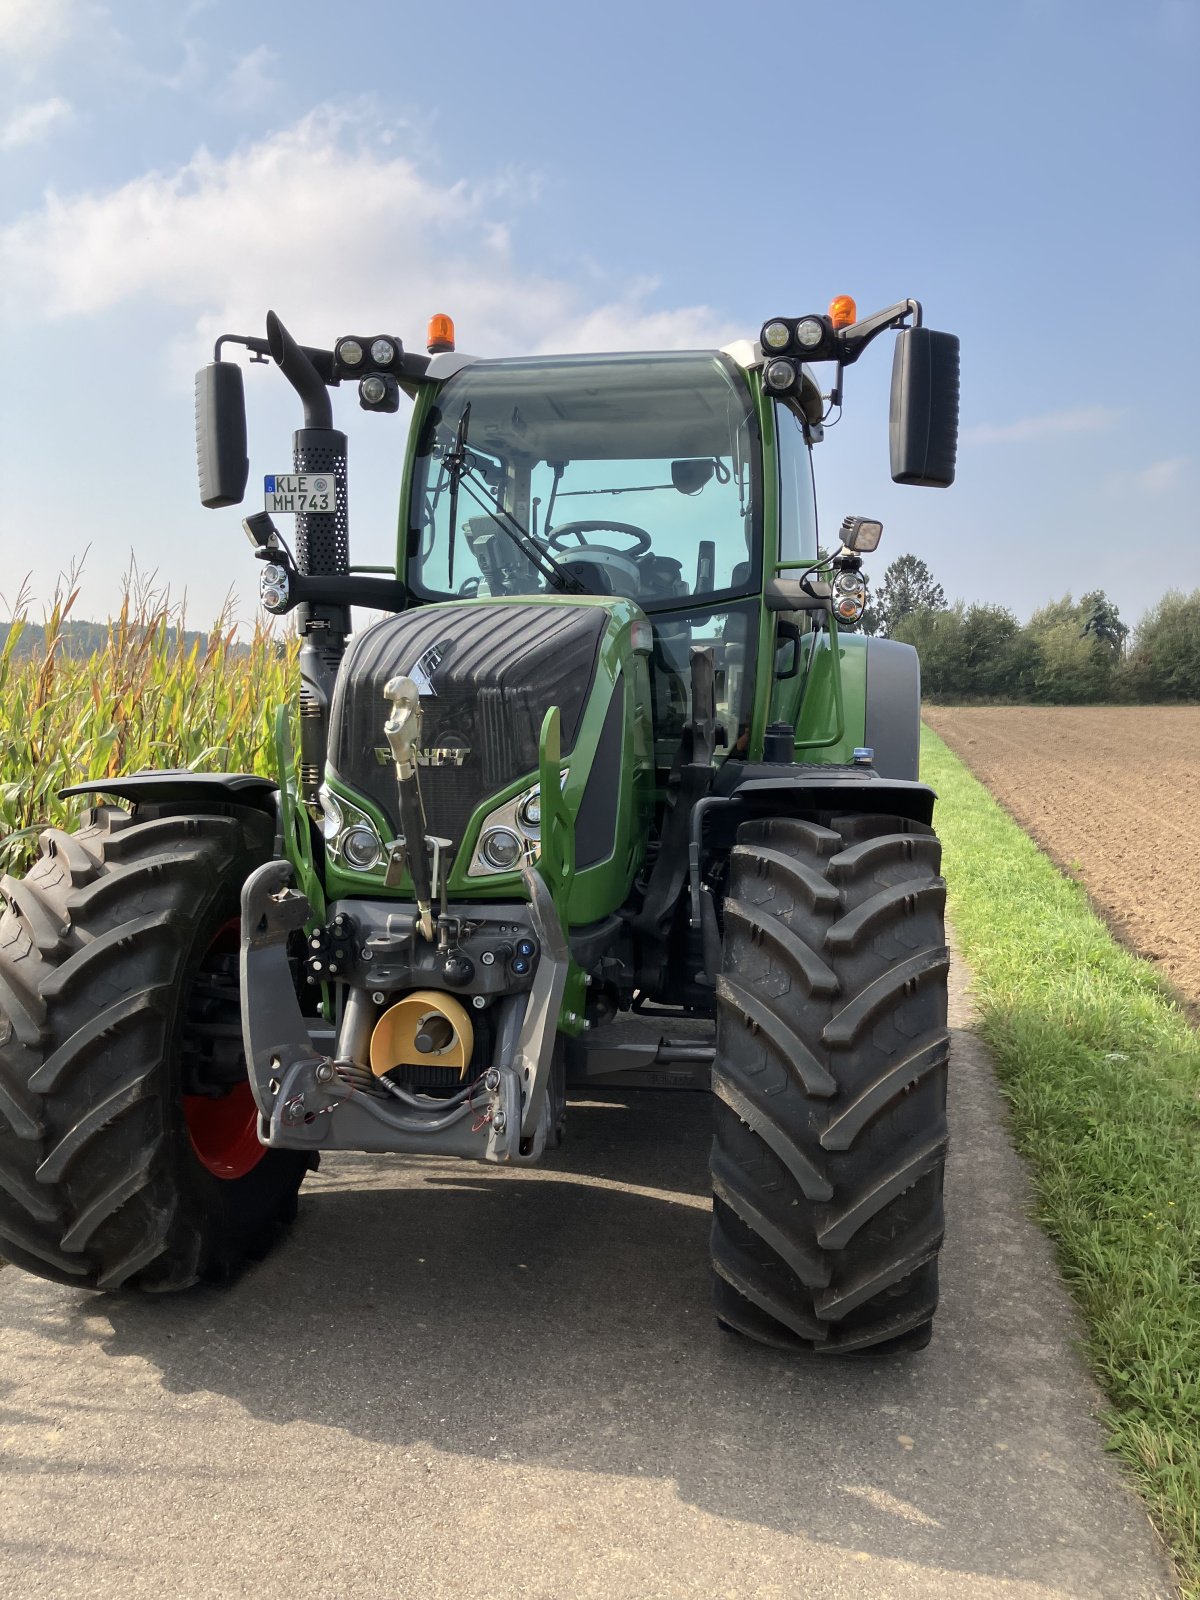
(459, 462)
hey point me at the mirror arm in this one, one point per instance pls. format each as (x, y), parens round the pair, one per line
(854, 340)
(260, 351)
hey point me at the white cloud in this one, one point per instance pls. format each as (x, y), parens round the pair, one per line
(31, 123)
(325, 222)
(34, 27)
(1160, 476)
(252, 80)
(1079, 419)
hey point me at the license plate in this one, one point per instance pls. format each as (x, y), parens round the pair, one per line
(309, 492)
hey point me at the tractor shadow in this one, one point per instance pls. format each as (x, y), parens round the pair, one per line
(560, 1318)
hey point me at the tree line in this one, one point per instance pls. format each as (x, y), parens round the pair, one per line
(1070, 652)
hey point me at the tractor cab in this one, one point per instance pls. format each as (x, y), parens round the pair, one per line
(638, 476)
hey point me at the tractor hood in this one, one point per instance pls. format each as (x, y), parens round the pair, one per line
(487, 673)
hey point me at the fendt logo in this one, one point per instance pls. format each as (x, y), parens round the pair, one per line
(450, 755)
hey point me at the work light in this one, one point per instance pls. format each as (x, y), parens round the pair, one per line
(776, 335)
(379, 391)
(780, 376)
(861, 534)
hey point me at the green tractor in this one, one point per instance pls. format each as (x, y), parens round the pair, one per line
(611, 795)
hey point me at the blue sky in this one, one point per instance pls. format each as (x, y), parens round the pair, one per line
(624, 176)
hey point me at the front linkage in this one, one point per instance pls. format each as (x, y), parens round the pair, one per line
(311, 1101)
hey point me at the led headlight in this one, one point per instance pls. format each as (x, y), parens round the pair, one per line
(510, 836)
(351, 836)
(500, 848)
(849, 596)
(810, 332)
(350, 352)
(274, 590)
(361, 848)
(780, 376)
(529, 812)
(331, 812)
(379, 391)
(776, 335)
(383, 352)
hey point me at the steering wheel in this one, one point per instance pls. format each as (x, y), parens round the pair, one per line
(565, 531)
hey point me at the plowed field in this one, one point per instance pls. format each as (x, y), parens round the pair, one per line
(1113, 796)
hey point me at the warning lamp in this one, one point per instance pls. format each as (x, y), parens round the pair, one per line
(843, 313)
(439, 336)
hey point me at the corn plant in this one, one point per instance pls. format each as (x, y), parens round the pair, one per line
(147, 699)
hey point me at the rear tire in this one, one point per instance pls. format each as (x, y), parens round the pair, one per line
(115, 982)
(830, 1085)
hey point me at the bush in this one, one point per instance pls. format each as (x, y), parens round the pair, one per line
(968, 652)
(1068, 665)
(1164, 663)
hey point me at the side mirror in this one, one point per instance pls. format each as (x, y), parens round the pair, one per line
(221, 457)
(924, 417)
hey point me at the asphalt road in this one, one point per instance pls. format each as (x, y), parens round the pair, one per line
(455, 1381)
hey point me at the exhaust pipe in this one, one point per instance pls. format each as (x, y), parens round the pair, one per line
(322, 549)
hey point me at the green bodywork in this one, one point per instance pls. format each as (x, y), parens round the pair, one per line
(597, 890)
(824, 700)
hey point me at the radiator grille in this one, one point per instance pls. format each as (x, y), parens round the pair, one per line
(494, 671)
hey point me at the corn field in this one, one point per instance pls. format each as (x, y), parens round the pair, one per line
(147, 699)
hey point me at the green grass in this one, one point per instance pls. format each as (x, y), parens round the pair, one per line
(1102, 1072)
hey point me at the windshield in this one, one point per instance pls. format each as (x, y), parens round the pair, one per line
(797, 496)
(630, 475)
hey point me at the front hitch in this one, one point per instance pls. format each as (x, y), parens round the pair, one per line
(304, 1101)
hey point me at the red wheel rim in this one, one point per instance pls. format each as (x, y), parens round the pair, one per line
(224, 1131)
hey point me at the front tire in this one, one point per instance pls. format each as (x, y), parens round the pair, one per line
(128, 1156)
(830, 1085)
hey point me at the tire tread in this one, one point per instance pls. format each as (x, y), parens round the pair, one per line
(830, 1084)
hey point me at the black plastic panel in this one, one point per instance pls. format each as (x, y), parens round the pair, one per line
(183, 786)
(596, 824)
(494, 671)
(893, 710)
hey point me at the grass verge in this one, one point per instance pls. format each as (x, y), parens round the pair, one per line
(1102, 1072)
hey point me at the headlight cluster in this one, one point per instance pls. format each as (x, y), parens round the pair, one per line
(511, 836)
(849, 596)
(352, 837)
(786, 341)
(274, 587)
(374, 362)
